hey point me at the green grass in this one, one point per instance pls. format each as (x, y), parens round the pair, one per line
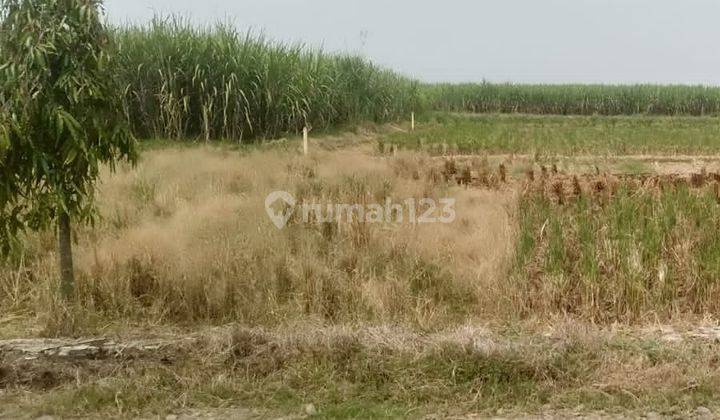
(548, 135)
(634, 167)
(643, 251)
(575, 99)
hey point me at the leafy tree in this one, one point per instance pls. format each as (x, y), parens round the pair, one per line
(60, 118)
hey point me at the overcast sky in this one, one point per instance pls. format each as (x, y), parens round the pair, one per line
(549, 41)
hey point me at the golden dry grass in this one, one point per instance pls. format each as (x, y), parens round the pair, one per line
(184, 237)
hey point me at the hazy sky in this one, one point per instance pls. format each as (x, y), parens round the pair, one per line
(552, 41)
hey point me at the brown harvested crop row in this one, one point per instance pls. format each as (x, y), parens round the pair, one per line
(559, 185)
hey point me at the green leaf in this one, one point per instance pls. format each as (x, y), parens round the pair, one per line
(4, 140)
(71, 156)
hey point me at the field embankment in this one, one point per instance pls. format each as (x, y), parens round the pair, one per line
(300, 370)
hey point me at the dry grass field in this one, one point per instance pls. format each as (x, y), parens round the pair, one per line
(567, 285)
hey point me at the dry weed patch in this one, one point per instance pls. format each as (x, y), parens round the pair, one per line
(184, 237)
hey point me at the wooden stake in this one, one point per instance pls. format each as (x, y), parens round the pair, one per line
(412, 121)
(305, 141)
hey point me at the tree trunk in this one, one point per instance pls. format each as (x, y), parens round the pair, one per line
(67, 273)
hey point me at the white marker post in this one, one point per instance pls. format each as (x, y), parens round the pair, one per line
(412, 121)
(305, 141)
